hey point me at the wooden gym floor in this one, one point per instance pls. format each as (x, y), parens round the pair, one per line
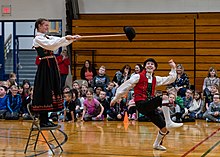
(115, 139)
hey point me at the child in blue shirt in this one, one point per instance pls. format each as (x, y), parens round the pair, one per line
(14, 100)
(3, 101)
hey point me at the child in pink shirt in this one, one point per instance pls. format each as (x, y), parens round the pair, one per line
(92, 109)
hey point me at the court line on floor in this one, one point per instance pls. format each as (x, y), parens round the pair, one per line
(210, 149)
(194, 147)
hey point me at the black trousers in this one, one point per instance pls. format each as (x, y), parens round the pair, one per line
(149, 109)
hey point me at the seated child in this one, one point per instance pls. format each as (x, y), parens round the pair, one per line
(199, 99)
(103, 100)
(132, 112)
(69, 108)
(168, 110)
(13, 103)
(117, 111)
(77, 102)
(110, 91)
(92, 109)
(3, 101)
(213, 112)
(196, 109)
(188, 105)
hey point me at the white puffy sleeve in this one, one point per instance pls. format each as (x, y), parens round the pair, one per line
(50, 43)
(168, 79)
(126, 86)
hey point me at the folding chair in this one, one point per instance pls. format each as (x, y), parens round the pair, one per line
(36, 130)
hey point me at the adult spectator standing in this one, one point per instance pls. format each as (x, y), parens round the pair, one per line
(63, 62)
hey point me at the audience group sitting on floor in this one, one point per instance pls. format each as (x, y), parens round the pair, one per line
(89, 98)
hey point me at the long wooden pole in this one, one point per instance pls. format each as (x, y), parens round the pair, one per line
(102, 36)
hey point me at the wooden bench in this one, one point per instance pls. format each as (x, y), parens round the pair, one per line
(190, 39)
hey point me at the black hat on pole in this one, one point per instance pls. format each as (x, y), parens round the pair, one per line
(130, 33)
(151, 60)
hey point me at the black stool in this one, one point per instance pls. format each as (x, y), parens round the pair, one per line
(36, 130)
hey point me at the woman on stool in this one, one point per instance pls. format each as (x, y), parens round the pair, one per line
(47, 89)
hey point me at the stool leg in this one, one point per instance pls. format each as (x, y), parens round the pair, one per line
(29, 137)
(47, 143)
(35, 144)
(56, 141)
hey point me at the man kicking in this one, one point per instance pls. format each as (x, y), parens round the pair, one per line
(144, 96)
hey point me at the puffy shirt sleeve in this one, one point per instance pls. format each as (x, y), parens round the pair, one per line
(50, 42)
(126, 86)
(168, 79)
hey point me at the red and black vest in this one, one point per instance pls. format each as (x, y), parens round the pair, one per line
(140, 90)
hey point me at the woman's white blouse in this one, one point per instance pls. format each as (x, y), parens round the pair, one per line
(50, 42)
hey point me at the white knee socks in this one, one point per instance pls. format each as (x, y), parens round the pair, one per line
(158, 140)
(169, 122)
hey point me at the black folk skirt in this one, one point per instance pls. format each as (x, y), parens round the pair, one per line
(47, 94)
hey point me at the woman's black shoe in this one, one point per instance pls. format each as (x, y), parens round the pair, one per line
(52, 124)
(44, 125)
(48, 124)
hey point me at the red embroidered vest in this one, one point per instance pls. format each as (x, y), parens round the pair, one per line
(140, 90)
